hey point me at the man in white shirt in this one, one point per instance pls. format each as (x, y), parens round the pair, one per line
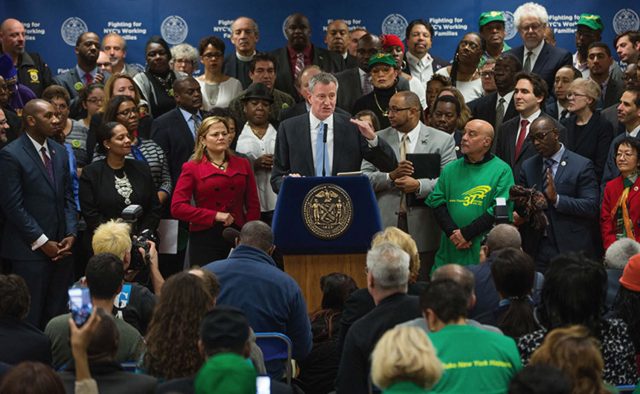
(420, 64)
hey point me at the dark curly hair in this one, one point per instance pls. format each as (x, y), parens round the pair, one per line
(172, 338)
(14, 297)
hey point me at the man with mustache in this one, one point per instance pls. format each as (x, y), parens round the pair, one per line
(299, 53)
(84, 73)
(337, 40)
(419, 63)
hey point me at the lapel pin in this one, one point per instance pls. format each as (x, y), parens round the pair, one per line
(563, 163)
(635, 188)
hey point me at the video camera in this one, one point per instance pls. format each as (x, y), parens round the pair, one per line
(131, 214)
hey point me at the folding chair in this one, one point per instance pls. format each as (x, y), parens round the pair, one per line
(276, 346)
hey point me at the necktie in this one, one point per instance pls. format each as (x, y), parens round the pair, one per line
(527, 62)
(500, 112)
(368, 86)
(196, 124)
(88, 78)
(521, 138)
(564, 114)
(322, 156)
(47, 163)
(299, 66)
(548, 165)
(403, 156)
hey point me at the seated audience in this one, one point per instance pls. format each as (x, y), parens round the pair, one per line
(540, 379)
(104, 276)
(576, 353)
(486, 361)
(318, 371)
(616, 258)
(31, 377)
(462, 276)
(573, 293)
(19, 340)
(387, 282)
(403, 361)
(94, 348)
(627, 302)
(173, 331)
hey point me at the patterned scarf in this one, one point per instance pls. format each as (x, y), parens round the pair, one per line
(625, 226)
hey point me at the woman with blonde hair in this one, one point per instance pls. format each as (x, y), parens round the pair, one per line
(404, 361)
(576, 353)
(224, 190)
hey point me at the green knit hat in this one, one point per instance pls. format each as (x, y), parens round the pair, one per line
(382, 58)
(226, 373)
(591, 21)
(491, 16)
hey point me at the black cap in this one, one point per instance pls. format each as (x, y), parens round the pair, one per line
(224, 327)
(258, 91)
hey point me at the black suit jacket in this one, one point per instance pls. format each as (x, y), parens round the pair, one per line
(293, 152)
(572, 222)
(615, 88)
(485, 108)
(327, 61)
(350, 88)
(506, 145)
(20, 341)
(230, 68)
(549, 61)
(68, 81)
(592, 142)
(172, 133)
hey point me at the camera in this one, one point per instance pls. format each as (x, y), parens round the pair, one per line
(131, 214)
(500, 211)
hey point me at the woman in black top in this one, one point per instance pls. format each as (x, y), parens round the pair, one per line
(384, 78)
(108, 186)
(156, 82)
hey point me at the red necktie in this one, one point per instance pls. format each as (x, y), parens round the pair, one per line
(521, 137)
(88, 78)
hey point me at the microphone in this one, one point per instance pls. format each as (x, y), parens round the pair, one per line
(324, 148)
(230, 234)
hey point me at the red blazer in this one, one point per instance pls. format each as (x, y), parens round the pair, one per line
(612, 192)
(213, 190)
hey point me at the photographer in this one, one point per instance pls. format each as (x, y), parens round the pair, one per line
(136, 305)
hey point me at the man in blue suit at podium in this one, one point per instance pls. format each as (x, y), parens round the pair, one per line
(324, 143)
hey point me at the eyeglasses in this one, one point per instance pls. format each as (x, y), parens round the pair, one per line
(213, 55)
(128, 112)
(4, 122)
(487, 74)
(182, 61)
(395, 110)
(541, 135)
(95, 100)
(618, 155)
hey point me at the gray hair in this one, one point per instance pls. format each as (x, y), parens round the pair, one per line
(323, 78)
(182, 51)
(114, 34)
(503, 236)
(530, 9)
(619, 253)
(253, 22)
(389, 266)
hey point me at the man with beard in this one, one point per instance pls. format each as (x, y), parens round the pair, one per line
(33, 72)
(419, 63)
(84, 73)
(627, 46)
(116, 47)
(300, 52)
(337, 40)
(499, 107)
(493, 32)
(406, 135)
(600, 62)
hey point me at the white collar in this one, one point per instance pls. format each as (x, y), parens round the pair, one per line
(39, 146)
(536, 51)
(315, 122)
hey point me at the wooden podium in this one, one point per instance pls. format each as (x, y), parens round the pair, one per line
(308, 269)
(324, 225)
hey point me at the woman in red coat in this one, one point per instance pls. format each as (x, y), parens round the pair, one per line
(223, 188)
(620, 214)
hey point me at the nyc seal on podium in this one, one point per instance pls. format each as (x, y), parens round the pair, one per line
(327, 211)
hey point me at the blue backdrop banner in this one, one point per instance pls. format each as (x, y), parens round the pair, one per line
(53, 25)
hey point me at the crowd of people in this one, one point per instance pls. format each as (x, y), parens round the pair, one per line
(510, 264)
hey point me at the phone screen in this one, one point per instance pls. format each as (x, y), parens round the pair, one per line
(80, 303)
(263, 385)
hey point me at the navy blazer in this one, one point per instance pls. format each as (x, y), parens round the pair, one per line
(230, 68)
(574, 218)
(549, 61)
(33, 204)
(293, 152)
(485, 108)
(327, 61)
(172, 133)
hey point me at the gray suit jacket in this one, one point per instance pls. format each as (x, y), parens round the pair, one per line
(422, 225)
(68, 81)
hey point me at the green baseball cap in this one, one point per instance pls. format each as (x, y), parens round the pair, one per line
(491, 16)
(591, 21)
(382, 58)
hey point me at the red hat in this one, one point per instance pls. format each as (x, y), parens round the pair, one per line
(630, 278)
(391, 40)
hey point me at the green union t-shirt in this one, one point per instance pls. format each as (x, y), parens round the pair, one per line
(474, 360)
(468, 190)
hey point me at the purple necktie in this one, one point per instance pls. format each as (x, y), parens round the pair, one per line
(47, 162)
